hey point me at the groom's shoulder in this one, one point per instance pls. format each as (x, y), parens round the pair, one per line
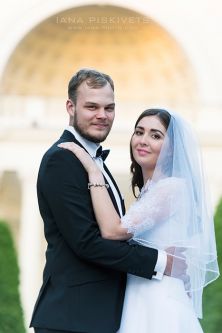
(55, 152)
(53, 149)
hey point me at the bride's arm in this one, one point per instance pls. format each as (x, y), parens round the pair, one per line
(105, 213)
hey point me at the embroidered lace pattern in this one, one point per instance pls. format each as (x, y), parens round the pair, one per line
(152, 206)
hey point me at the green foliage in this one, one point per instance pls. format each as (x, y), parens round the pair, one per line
(11, 317)
(212, 300)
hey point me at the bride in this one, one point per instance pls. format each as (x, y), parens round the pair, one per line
(171, 209)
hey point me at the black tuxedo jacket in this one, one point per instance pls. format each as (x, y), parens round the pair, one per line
(84, 276)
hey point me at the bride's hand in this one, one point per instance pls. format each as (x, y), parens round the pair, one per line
(86, 160)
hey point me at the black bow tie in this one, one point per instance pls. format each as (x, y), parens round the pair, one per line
(102, 153)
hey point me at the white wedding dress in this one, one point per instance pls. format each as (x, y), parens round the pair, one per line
(156, 306)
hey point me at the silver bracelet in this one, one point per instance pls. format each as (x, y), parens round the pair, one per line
(97, 185)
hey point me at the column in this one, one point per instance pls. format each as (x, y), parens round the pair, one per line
(30, 245)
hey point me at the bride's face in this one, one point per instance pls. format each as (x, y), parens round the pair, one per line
(146, 143)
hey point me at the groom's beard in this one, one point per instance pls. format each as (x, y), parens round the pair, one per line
(83, 131)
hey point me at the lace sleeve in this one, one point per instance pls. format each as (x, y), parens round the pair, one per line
(154, 205)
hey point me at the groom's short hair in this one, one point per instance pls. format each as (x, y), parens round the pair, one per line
(93, 78)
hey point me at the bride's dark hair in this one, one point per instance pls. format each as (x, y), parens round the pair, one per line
(135, 168)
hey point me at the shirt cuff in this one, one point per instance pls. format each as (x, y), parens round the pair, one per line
(160, 265)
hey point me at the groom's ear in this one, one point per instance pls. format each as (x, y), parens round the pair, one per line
(70, 107)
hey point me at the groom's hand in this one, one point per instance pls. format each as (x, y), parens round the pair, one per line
(176, 265)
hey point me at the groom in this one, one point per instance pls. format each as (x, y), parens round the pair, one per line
(85, 275)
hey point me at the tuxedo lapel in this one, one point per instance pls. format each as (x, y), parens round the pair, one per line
(118, 191)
